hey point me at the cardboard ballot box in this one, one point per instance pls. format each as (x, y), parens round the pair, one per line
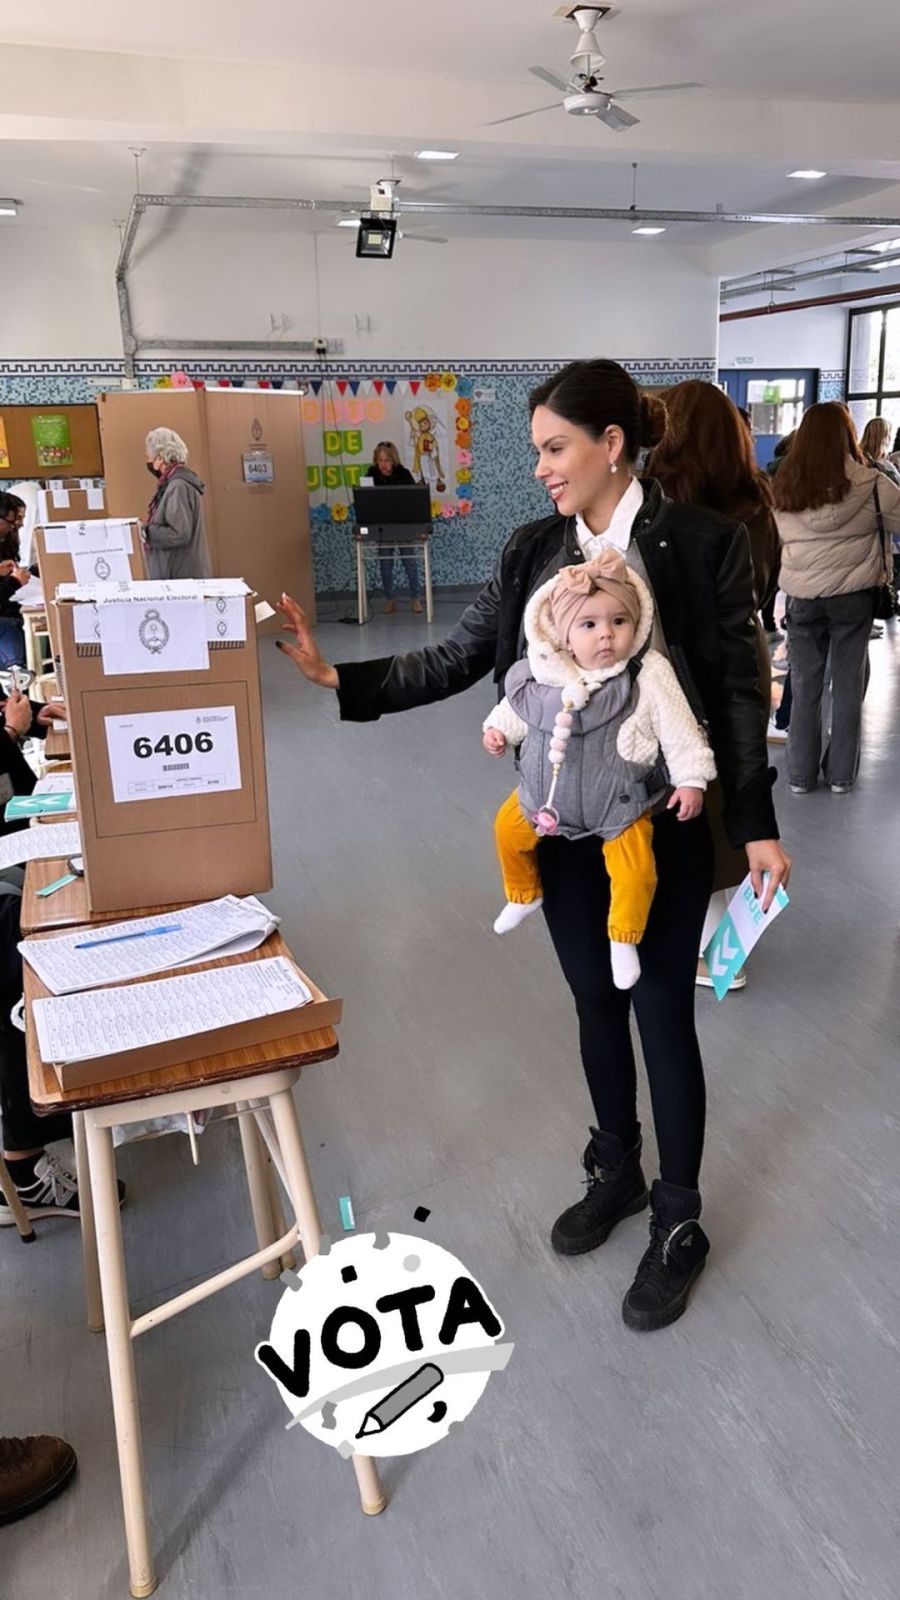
(84, 498)
(86, 552)
(272, 1037)
(169, 764)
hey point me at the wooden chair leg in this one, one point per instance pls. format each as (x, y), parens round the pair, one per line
(92, 1293)
(256, 1167)
(11, 1195)
(299, 1183)
(288, 1261)
(120, 1351)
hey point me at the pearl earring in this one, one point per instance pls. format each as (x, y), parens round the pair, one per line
(613, 466)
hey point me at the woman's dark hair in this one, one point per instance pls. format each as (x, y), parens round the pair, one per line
(596, 395)
(814, 472)
(706, 457)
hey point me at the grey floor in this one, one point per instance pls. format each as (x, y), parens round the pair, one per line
(750, 1451)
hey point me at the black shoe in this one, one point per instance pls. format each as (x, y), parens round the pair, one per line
(616, 1188)
(672, 1263)
(52, 1192)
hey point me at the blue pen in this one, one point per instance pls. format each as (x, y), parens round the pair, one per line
(119, 938)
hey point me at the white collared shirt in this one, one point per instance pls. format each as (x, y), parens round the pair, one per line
(618, 534)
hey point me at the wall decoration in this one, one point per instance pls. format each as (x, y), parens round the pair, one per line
(344, 420)
(52, 441)
(4, 448)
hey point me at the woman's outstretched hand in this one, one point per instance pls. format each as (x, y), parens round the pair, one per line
(304, 652)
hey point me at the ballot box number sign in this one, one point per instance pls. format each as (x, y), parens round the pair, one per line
(157, 754)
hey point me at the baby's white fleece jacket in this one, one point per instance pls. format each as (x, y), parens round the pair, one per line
(662, 720)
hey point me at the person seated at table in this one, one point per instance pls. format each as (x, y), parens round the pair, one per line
(388, 472)
(22, 719)
(12, 578)
(44, 1186)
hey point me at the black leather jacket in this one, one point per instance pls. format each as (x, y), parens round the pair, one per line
(701, 575)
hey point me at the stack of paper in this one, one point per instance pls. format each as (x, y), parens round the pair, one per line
(116, 952)
(40, 844)
(50, 795)
(81, 1027)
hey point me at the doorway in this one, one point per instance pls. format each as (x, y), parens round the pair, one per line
(776, 400)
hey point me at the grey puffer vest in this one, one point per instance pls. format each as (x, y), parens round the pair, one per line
(598, 792)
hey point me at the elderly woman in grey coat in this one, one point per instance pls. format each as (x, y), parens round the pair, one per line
(173, 534)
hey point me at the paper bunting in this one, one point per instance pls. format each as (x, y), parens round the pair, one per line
(378, 384)
(342, 386)
(415, 385)
(354, 386)
(390, 384)
(317, 386)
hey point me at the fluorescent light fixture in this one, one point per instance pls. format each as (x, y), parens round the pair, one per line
(809, 173)
(879, 266)
(882, 249)
(648, 233)
(9, 208)
(375, 239)
(437, 155)
(349, 222)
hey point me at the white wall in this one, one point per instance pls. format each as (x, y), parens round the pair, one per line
(813, 338)
(471, 298)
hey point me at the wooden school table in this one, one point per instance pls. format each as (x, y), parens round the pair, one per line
(253, 1082)
(57, 746)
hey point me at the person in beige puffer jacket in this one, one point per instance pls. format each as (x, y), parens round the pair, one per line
(826, 500)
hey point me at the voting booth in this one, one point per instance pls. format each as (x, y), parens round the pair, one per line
(102, 550)
(166, 727)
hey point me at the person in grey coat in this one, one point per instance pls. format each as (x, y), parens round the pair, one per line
(173, 534)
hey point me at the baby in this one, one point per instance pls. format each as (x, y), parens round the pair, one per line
(597, 707)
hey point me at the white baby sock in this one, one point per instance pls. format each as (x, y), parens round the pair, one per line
(626, 964)
(512, 914)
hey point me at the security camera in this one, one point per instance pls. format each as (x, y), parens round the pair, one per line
(321, 347)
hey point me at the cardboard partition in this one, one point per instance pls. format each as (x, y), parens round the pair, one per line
(73, 503)
(256, 526)
(321, 1012)
(57, 566)
(144, 841)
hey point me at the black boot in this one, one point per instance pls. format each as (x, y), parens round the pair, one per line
(673, 1262)
(616, 1188)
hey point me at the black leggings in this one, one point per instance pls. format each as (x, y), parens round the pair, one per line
(576, 906)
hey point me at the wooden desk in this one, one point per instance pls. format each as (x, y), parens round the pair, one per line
(68, 907)
(57, 746)
(257, 1084)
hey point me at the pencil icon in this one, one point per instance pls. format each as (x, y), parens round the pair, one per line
(401, 1399)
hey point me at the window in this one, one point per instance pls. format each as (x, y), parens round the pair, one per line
(873, 366)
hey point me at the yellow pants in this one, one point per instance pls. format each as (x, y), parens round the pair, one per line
(629, 862)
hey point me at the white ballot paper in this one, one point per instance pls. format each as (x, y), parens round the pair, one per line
(104, 565)
(116, 952)
(30, 594)
(60, 495)
(80, 1027)
(153, 636)
(156, 755)
(108, 534)
(95, 497)
(39, 844)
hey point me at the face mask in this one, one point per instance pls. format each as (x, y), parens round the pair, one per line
(155, 470)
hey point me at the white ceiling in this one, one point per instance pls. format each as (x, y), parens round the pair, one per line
(815, 48)
(407, 74)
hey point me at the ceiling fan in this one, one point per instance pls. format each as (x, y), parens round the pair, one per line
(584, 94)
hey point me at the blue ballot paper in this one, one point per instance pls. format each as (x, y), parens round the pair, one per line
(742, 927)
(39, 805)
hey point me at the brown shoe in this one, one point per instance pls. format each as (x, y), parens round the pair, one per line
(32, 1471)
(417, 605)
(390, 607)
